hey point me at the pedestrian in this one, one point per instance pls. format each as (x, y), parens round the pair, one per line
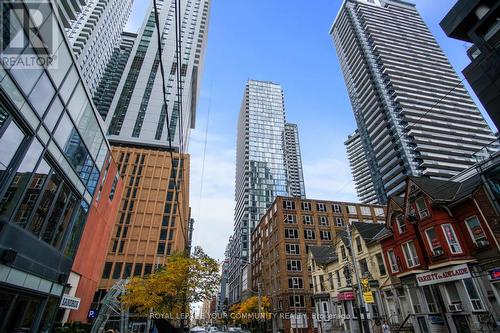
(385, 327)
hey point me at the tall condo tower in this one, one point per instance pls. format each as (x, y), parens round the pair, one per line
(293, 161)
(414, 116)
(264, 145)
(360, 169)
(113, 73)
(137, 113)
(94, 29)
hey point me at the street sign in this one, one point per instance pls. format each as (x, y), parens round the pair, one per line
(368, 297)
(70, 302)
(92, 314)
(365, 283)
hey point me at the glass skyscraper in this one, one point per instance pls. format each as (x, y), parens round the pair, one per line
(414, 115)
(261, 170)
(94, 29)
(138, 113)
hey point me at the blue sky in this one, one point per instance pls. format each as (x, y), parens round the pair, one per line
(287, 42)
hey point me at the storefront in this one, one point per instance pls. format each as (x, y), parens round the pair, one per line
(450, 298)
(27, 303)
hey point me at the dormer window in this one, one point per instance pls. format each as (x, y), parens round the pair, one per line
(400, 222)
(423, 212)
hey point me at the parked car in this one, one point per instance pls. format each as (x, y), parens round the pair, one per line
(197, 329)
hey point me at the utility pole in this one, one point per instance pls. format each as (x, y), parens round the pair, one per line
(362, 309)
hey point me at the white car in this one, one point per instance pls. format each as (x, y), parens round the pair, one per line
(197, 329)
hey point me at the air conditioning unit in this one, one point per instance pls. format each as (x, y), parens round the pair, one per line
(455, 307)
(482, 243)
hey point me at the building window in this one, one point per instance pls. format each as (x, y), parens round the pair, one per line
(380, 263)
(451, 238)
(453, 295)
(326, 235)
(292, 249)
(351, 210)
(339, 281)
(474, 297)
(339, 221)
(434, 242)
(431, 301)
(476, 232)
(323, 220)
(321, 207)
(113, 188)
(291, 233)
(423, 212)
(330, 280)
(365, 211)
(359, 245)
(379, 212)
(306, 205)
(107, 270)
(343, 255)
(293, 265)
(400, 222)
(295, 283)
(288, 204)
(117, 272)
(417, 308)
(309, 234)
(363, 267)
(296, 301)
(290, 218)
(393, 261)
(337, 208)
(307, 219)
(410, 254)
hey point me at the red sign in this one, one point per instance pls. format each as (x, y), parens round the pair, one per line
(495, 274)
(345, 296)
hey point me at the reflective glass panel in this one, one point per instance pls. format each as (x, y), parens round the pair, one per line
(9, 144)
(20, 181)
(32, 193)
(42, 94)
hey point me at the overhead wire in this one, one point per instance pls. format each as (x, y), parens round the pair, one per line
(178, 172)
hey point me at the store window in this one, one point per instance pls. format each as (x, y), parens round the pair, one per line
(473, 294)
(430, 299)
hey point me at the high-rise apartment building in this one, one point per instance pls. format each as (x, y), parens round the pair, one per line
(113, 73)
(263, 147)
(293, 161)
(56, 172)
(154, 217)
(137, 113)
(414, 116)
(280, 247)
(359, 169)
(94, 29)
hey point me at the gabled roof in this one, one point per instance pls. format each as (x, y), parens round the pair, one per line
(445, 190)
(368, 231)
(323, 254)
(400, 201)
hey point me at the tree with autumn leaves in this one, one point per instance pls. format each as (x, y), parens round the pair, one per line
(247, 311)
(183, 280)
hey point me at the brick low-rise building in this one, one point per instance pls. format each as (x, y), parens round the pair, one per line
(280, 244)
(444, 252)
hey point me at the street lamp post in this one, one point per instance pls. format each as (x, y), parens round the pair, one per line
(362, 309)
